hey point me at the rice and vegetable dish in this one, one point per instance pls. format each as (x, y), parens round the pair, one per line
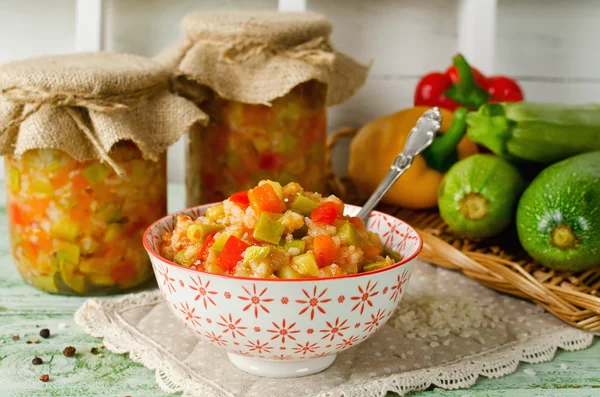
(274, 231)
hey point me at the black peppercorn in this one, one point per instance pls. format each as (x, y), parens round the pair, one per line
(94, 350)
(45, 333)
(37, 361)
(69, 351)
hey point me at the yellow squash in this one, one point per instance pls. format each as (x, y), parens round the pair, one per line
(379, 142)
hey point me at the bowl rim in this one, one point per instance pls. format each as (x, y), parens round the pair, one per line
(155, 254)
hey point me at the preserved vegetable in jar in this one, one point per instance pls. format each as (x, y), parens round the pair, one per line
(265, 80)
(246, 143)
(76, 227)
(84, 138)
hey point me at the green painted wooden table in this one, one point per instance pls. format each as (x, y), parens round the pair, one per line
(24, 311)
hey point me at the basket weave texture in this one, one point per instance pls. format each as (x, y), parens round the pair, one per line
(499, 263)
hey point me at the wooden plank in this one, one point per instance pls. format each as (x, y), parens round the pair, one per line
(88, 25)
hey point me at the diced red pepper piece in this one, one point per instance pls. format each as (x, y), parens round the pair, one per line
(240, 198)
(263, 198)
(326, 213)
(232, 253)
(357, 222)
(16, 214)
(325, 250)
(205, 249)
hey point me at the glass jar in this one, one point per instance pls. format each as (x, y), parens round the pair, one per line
(76, 227)
(244, 144)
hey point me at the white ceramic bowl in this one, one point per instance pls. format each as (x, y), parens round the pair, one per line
(285, 328)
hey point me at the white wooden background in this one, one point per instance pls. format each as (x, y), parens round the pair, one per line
(550, 46)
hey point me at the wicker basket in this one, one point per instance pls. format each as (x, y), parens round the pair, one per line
(499, 263)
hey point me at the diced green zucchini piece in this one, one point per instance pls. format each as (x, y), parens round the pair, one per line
(68, 252)
(220, 242)
(338, 223)
(215, 212)
(200, 232)
(394, 255)
(14, 179)
(45, 283)
(300, 245)
(276, 186)
(300, 233)
(71, 277)
(303, 205)
(112, 232)
(256, 253)
(111, 214)
(65, 230)
(306, 264)
(99, 279)
(41, 184)
(268, 228)
(182, 259)
(349, 235)
(287, 271)
(96, 172)
(374, 266)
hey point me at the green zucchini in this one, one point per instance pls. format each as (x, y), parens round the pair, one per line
(536, 132)
(478, 196)
(558, 216)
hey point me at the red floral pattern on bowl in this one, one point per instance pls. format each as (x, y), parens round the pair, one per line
(310, 319)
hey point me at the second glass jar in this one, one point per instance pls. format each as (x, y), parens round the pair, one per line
(246, 143)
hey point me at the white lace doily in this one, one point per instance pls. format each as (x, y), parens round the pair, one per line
(423, 350)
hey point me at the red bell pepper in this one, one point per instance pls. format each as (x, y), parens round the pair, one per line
(326, 213)
(325, 250)
(240, 198)
(205, 249)
(232, 253)
(463, 85)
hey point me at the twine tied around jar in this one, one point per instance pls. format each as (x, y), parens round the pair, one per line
(72, 103)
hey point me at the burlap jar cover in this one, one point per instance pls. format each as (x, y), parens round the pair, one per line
(256, 57)
(83, 104)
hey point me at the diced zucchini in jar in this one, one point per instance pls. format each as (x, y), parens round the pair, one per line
(45, 283)
(349, 234)
(96, 173)
(199, 232)
(215, 212)
(287, 271)
(303, 205)
(67, 252)
(71, 276)
(102, 280)
(14, 179)
(111, 214)
(268, 228)
(306, 264)
(112, 232)
(297, 246)
(65, 230)
(256, 253)
(41, 184)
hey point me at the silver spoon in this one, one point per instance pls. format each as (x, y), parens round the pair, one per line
(419, 138)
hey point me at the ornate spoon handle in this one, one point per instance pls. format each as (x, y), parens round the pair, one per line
(419, 138)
